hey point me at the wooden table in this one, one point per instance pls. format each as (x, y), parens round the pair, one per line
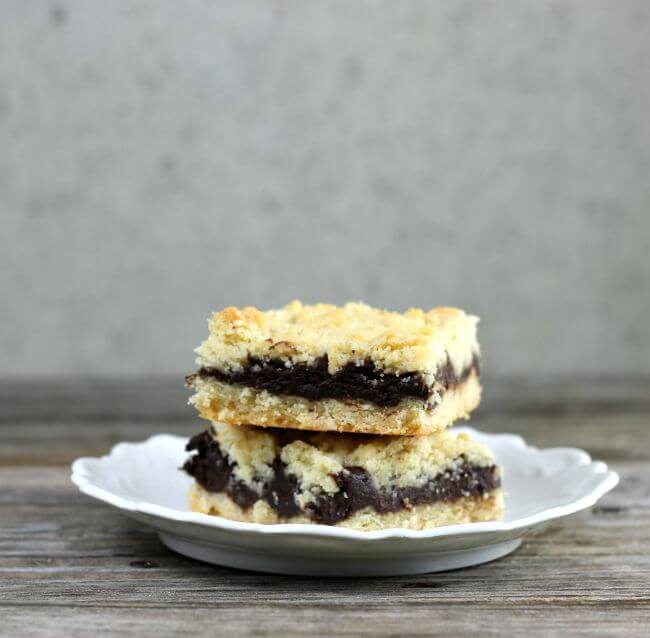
(71, 566)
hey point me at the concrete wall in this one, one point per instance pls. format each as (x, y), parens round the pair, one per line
(160, 159)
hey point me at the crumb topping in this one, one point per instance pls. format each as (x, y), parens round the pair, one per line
(414, 341)
(315, 458)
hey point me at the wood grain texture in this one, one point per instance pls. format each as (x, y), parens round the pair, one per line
(70, 566)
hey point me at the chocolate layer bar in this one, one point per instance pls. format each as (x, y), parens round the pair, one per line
(355, 381)
(354, 369)
(367, 482)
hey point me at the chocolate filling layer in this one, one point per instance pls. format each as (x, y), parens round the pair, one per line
(213, 470)
(365, 382)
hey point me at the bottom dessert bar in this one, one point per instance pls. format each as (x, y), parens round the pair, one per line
(365, 482)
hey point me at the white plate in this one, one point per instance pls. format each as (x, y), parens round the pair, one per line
(143, 480)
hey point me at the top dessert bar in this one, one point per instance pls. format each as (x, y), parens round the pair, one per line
(351, 368)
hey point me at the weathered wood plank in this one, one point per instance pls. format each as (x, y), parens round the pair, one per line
(56, 545)
(610, 438)
(57, 445)
(608, 418)
(99, 400)
(159, 399)
(622, 437)
(70, 565)
(353, 618)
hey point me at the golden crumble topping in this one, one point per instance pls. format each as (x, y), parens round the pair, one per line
(413, 341)
(314, 458)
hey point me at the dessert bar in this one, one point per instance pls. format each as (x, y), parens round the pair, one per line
(268, 475)
(347, 369)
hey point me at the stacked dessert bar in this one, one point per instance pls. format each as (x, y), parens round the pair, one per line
(339, 416)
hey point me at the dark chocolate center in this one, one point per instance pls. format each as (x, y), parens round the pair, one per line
(357, 490)
(365, 381)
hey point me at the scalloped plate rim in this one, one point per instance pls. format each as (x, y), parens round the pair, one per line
(82, 477)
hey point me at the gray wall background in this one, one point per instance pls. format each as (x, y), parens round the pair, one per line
(162, 159)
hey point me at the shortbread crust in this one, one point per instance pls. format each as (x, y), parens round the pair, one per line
(465, 510)
(217, 401)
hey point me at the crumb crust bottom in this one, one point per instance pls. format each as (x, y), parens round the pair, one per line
(236, 405)
(489, 507)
